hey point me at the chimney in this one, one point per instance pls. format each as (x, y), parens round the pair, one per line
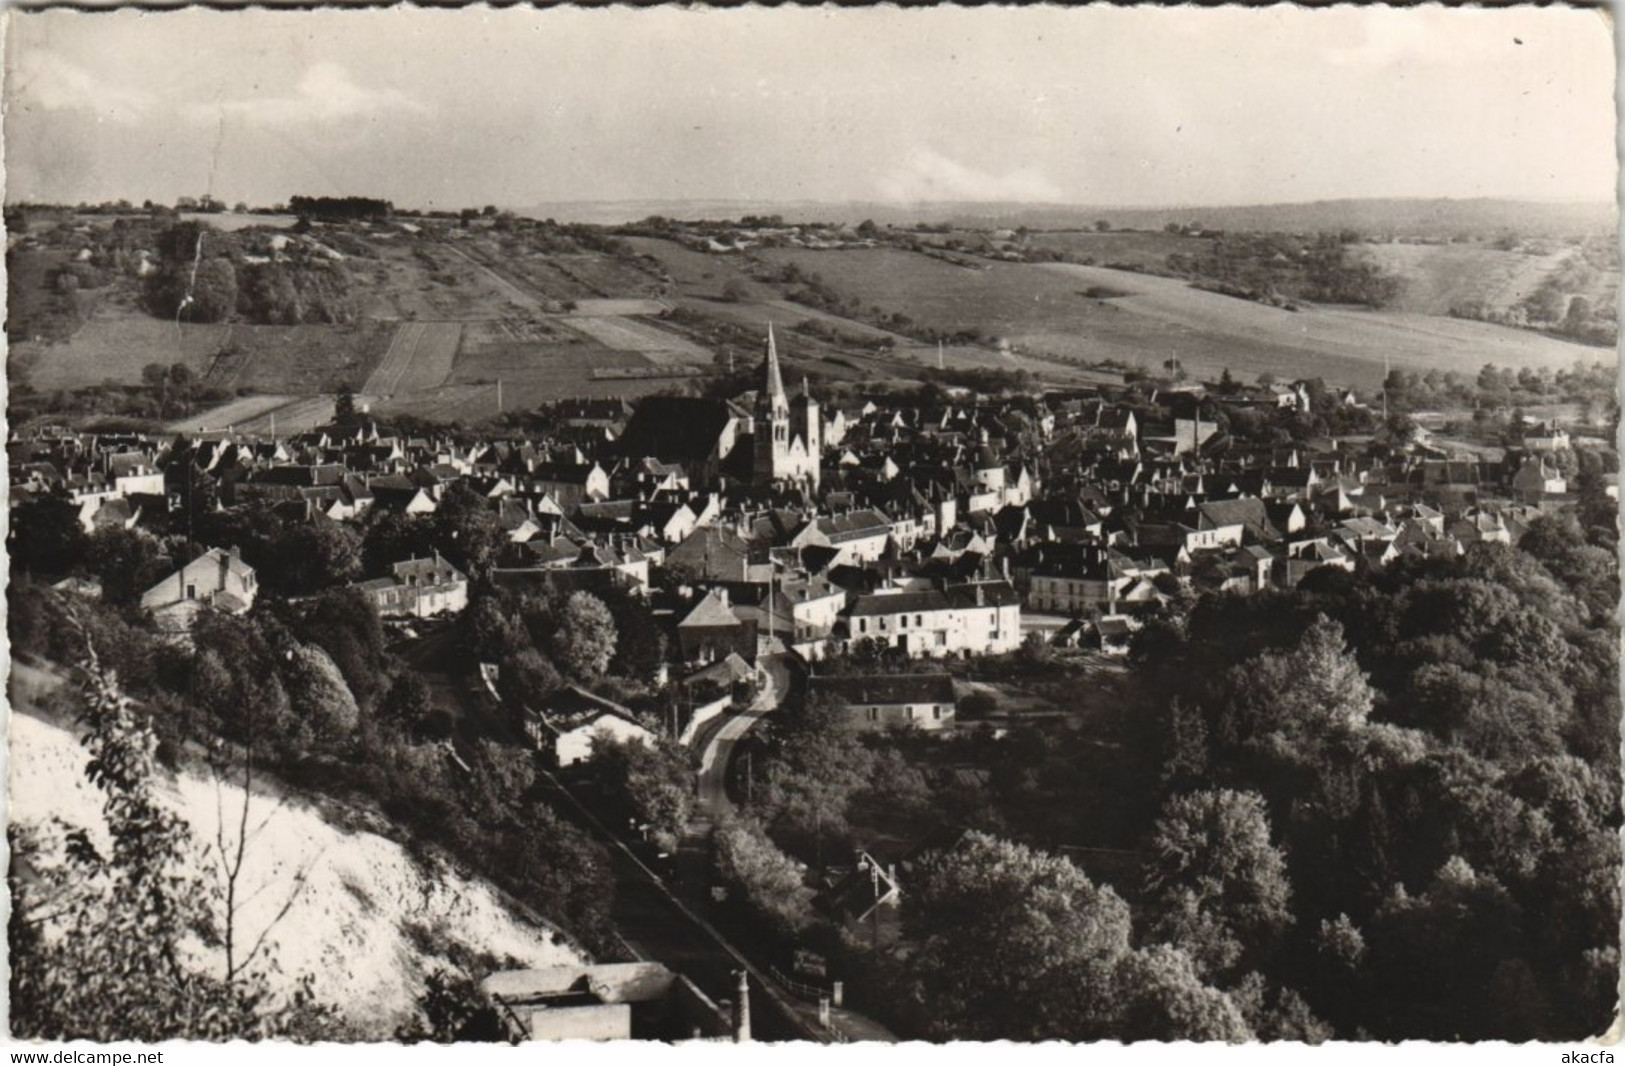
(742, 1011)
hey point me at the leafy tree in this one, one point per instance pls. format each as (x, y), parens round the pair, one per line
(488, 632)
(1278, 1014)
(344, 412)
(655, 781)
(1165, 999)
(1434, 956)
(525, 676)
(45, 536)
(1590, 573)
(392, 537)
(585, 641)
(1216, 877)
(640, 643)
(561, 872)
(769, 880)
(210, 296)
(409, 706)
(318, 694)
(994, 926)
(344, 623)
(466, 530)
(102, 934)
(311, 556)
(453, 1010)
(816, 767)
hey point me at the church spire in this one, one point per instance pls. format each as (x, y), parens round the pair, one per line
(775, 383)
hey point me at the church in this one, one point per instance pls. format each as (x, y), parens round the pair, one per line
(787, 435)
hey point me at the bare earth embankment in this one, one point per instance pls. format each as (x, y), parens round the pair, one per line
(367, 923)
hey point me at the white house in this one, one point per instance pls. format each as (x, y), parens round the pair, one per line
(924, 701)
(418, 588)
(978, 619)
(218, 580)
(567, 723)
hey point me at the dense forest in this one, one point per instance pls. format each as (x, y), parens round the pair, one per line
(1364, 810)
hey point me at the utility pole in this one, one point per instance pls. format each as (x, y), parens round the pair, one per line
(1385, 372)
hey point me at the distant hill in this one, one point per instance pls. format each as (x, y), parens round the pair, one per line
(1414, 217)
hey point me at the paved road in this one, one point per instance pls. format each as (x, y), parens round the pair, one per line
(717, 743)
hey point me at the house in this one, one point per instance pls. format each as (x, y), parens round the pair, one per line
(859, 536)
(418, 588)
(218, 580)
(711, 631)
(695, 433)
(925, 701)
(565, 724)
(814, 604)
(983, 618)
(395, 492)
(613, 1001)
(1537, 478)
(1546, 437)
(1114, 633)
(1071, 579)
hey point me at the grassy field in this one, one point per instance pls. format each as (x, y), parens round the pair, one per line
(695, 273)
(1045, 308)
(235, 413)
(1343, 345)
(1441, 276)
(1145, 249)
(299, 359)
(631, 335)
(420, 356)
(114, 345)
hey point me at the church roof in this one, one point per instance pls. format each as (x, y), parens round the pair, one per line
(775, 382)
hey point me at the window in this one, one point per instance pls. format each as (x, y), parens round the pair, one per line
(936, 712)
(919, 620)
(863, 625)
(191, 592)
(874, 714)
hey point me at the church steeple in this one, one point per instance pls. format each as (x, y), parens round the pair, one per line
(775, 383)
(782, 452)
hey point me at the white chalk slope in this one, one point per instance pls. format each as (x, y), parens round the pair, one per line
(368, 922)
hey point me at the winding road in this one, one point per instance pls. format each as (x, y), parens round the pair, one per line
(717, 741)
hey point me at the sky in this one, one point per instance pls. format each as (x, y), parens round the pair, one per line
(1099, 106)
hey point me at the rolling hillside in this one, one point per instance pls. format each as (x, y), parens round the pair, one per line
(1144, 320)
(440, 312)
(367, 920)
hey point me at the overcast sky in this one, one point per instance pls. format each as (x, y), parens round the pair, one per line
(1107, 106)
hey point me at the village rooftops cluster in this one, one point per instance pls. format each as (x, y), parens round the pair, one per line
(926, 530)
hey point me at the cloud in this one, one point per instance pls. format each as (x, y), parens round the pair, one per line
(326, 94)
(46, 81)
(930, 175)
